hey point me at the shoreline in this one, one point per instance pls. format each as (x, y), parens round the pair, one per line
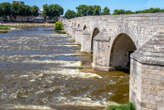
(8, 27)
(28, 24)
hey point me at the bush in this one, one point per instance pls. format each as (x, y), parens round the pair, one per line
(128, 106)
(59, 26)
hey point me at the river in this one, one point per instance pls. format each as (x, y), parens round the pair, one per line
(43, 70)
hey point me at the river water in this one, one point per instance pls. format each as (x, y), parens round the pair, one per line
(43, 70)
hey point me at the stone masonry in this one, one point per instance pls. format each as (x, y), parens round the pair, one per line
(113, 38)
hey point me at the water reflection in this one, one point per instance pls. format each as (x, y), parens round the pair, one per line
(38, 67)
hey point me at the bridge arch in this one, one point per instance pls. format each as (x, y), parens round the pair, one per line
(78, 26)
(94, 34)
(122, 47)
(84, 27)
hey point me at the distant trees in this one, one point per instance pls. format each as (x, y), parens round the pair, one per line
(70, 14)
(151, 10)
(86, 10)
(106, 11)
(17, 9)
(52, 11)
(94, 10)
(5, 9)
(21, 10)
(82, 10)
(35, 10)
(121, 11)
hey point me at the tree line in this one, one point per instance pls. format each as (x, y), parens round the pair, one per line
(86, 10)
(17, 9)
(53, 11)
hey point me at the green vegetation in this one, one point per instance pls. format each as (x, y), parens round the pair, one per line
(70, 14)
(35, 10)
(4, 31)
(88, 10)
(128, 106)
(106, 11)
(121, 11)
(17, 9)
(6, 28)
(59, 27)
(52, 11)
(151, 10)
(5, 9)
(95, 10)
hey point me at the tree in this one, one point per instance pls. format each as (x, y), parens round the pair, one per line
(150, 10)
(52, 11)
(70, 14)
(96, 10)
(26, 11)
(119, 11)
(35, 10)
(5, 9)
(129, 12)
(88, 10)
(45, 10)
(18, 9)
(106, 11)
(82, 10)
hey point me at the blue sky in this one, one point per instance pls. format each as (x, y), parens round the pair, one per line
(112, 4)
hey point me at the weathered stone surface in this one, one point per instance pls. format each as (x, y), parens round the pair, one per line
(138, 27)
(150, 57)
(113, 38)
(152, 52)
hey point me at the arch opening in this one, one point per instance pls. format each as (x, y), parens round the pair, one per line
(95, 32)
(84, 27)
(122, 47)
(78, 25)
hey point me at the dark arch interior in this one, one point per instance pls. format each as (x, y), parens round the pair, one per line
(84, 27)
(78, 25)
(95, 32)
(122, 47)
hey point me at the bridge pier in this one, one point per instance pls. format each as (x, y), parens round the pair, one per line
(146, 76)
(85, 42)
(77, 36)
(101, 59)
(73, 33)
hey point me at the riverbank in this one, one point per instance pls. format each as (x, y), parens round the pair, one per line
(7, 27)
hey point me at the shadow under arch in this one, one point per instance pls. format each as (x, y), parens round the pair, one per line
(84, 27)
(78, 26)
(122, 47)
(94, 33)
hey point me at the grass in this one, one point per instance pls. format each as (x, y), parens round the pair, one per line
(6, 28)
(128, 106)
(4, 31)
(2, 27)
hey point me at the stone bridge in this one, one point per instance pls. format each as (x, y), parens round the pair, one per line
(111, 39)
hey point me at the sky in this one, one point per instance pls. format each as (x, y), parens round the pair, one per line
(112, 4)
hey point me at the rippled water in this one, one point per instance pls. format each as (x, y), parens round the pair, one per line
(43, 70)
